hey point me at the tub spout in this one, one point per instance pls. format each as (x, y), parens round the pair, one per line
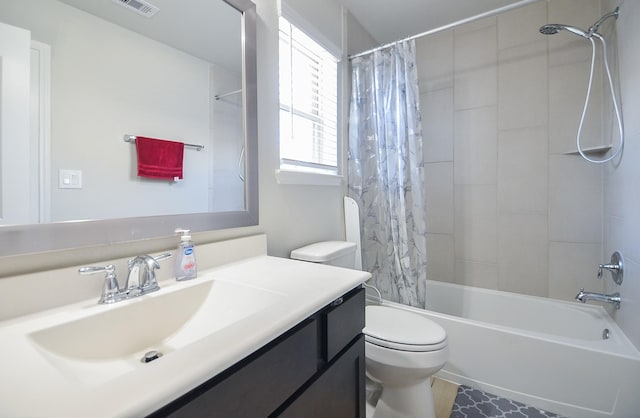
(614, 298)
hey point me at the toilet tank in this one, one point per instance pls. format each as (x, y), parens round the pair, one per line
(334, 253)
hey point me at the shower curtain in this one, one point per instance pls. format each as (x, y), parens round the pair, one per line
(385, 171)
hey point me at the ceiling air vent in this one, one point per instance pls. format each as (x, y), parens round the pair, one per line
(139, 6)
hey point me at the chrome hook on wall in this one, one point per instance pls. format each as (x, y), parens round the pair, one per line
(615, 266)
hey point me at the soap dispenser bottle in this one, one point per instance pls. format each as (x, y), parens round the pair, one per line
(186, 267)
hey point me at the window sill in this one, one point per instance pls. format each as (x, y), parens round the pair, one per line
(307, 178)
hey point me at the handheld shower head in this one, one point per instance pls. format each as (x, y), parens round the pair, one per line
(553, 28)
(549, 29)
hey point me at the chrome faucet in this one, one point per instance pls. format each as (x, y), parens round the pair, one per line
(614, 298)
(142, 274)
(140, 280)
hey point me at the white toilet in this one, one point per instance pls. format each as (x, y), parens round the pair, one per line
(402, 348)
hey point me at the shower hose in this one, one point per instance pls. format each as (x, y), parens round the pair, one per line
(613, 97)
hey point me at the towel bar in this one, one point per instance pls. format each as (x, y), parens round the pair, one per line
(132, 138)
(220, 96)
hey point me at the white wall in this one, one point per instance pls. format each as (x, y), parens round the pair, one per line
(227, 187)
(506, 209)
(622, 185)
(106, 82)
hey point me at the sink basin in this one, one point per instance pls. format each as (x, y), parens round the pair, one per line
(102, 346)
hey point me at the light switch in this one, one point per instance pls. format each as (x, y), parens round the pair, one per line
(69, 179)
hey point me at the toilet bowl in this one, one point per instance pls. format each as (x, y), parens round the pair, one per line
(402, 349)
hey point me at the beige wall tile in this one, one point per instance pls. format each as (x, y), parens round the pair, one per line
(470, 273)
(579, 13)
(573, 266)
(629, 312)
(565, 47)
(622, 183)
(434, 59)
(475, 50)
(621, 234)
(475, 146)
(437, 125)
(475, 68)
(514, 104)
(575, 200)
(522, 253)
(476, 88)
(628, 36)
(622, 191)
(440, 258)
(475, 26)
(439, 197)
(522, 86)
(521, 26)
(476, 223)
(522, 170)
(567, 92)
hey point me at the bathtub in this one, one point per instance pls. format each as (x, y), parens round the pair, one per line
(546, 353)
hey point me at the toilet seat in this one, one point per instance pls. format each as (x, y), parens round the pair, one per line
(402, 330)
(405, 347)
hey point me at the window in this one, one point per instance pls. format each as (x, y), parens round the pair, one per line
(308, 103)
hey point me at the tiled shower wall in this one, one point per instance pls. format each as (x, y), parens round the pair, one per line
(622, 181)
(507, 209)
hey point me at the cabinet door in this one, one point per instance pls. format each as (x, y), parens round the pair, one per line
(339, 392)
(257, 386)
(344, 321)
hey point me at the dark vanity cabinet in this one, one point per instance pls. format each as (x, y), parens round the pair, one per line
(316, 369)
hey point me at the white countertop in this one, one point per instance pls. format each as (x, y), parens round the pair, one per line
(32, 386)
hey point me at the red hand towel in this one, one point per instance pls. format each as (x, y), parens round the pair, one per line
(159, 159)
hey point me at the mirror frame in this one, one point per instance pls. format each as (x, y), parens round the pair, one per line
(26, 239)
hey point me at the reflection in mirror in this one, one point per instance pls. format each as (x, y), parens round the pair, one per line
(78, 76)
(114, 72)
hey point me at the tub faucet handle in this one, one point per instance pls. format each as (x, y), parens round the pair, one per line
(615, 266)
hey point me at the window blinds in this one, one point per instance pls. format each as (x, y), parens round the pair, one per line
(308, 102)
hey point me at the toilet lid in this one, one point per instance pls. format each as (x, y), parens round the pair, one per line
(396, 328)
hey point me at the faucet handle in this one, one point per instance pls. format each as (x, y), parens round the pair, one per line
(615, 266)
(110, 289)
(161, 257)
(149, 279)
(152, 264)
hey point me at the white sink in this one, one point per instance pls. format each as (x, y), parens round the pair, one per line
(83, 359)
(105, 345)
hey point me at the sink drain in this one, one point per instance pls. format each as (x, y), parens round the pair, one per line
(150, 356)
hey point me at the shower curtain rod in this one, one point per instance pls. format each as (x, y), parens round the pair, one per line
(450, 25)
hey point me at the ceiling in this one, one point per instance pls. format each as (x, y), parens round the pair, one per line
(206, 29)
(392, 20)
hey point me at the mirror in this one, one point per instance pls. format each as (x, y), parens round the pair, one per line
(99, 71)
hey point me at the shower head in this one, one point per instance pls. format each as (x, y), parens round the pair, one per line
(553, 28)
(549, 29)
